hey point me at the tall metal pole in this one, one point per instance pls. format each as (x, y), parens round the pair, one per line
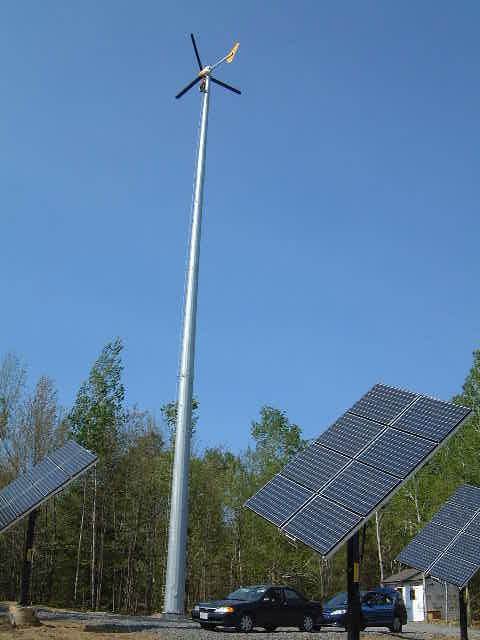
(177, 534)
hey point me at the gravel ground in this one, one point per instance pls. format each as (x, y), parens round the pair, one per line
(61, 624)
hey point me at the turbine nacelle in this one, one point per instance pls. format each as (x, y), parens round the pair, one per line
(207, 71)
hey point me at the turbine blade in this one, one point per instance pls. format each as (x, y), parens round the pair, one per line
(226, 86)
(189, 86)
(196, 52)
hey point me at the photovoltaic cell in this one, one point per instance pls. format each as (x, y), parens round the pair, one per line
(279, 499)
(72, 458)
(453, 570)
(350, 434)
(467, 548)
(417, 555)
(383, 403)
(436, 536)
(473, 528)
(467, 496)
(42, 481)
(397, 453)
(431, 418)
(357, 465)
(321, 524)
(452, 515)
(452, 538)
(315, 466)
(360, 488)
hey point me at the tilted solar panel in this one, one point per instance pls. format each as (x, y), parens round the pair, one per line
(356, 465)
(451, 538)
(383, 403)
(315, 466)
(48, 477)
(350, 433)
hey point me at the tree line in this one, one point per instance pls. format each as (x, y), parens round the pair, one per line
(102, 543)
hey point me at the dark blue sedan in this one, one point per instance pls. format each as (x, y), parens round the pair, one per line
(382, 607)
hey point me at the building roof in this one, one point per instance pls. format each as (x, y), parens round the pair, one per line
(403, 576)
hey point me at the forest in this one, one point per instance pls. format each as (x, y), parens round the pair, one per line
(102, 543)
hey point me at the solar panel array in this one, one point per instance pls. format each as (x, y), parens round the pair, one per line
(448, 547)
(44, 480)
(332, 487)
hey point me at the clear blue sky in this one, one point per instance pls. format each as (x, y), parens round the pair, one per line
(341, 221)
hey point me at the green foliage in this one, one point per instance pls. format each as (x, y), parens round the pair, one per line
(98, 413)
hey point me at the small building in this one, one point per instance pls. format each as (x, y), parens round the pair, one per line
(439, 599)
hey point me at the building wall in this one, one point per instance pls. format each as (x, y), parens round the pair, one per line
(436, 592)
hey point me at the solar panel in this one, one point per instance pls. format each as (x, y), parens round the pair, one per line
(48, 477)
(453, 515)
(473, 529)
(453, 570)
(350, 434)
(396, 452)
(417, 555)
(355, 466)
(279, 499)
(431, 418)
(315, 466)
(383, 403)
(321, 523)
(360, 488)
(452, 539)
(436, 536)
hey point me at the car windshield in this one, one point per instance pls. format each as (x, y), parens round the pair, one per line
(338, 600)
(247, 593)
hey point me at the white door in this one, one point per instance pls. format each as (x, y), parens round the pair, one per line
(418, 614)
(408, 603)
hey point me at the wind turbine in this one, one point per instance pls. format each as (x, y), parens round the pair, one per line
(177, 533)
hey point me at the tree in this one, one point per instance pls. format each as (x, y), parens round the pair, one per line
(98, 413)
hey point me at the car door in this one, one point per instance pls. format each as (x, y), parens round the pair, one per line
(294, 607)
(384, 609)
(270, 609)
(369, 609)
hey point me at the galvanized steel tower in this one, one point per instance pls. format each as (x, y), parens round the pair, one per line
(177, 535)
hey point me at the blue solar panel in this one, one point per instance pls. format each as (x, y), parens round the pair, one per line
(279, 499)
(417, 555)
(321, 524)
(431, 418)
(72, 458)
(350, 434)
(473, 528)
(383, 403)
(453, 570)
(45, 479)
(436, 536)
(467, 496)
(359, 462)
(453, 515)
(315, 466)
(397, 453)
(452, 539)
(360, 488)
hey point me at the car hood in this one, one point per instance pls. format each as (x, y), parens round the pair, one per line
(222, 603)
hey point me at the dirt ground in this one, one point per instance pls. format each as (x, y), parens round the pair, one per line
(66, 630)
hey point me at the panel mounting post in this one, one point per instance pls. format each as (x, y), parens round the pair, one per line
(27, 559)
(462, 606)
(354, 611)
